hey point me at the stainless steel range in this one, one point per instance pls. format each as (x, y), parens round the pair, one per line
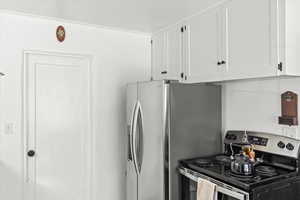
(275, 177)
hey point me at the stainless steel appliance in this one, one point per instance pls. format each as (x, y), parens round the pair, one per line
(276, 177)
(168, 121)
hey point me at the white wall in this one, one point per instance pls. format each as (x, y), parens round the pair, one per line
(256, 104)
(142, 15)
(118, 58)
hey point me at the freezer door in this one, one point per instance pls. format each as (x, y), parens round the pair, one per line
(151, 135)
(131, 174)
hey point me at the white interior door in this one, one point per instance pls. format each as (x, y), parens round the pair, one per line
(57, 127)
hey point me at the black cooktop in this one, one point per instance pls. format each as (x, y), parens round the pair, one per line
(218, 167)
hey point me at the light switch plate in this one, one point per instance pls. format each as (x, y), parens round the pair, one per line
(9, 129)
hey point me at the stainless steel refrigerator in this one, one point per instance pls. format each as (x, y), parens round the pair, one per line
(168, 121)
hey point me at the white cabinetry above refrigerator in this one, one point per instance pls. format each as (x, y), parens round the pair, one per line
(238, 39)
(204, 47)
(167, 56)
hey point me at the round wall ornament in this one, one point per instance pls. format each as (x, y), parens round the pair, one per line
(60, 33)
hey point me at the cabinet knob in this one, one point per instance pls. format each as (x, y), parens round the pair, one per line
(164, 72)
(31, 153)
(219, 63)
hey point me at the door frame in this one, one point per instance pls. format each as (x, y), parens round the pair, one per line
(24, 118)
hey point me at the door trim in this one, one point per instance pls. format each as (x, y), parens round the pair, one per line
(24, 118)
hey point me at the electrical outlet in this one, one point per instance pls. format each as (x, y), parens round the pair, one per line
(291, 132)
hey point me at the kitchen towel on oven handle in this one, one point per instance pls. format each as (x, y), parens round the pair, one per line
(206, 190)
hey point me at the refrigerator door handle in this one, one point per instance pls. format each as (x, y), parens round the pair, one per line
(130, 137)
(140, 137)
(133, 141)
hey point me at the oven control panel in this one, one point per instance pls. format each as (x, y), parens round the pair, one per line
(258, 140)
(265, 142)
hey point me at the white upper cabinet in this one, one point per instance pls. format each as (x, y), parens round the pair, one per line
(159, 53)
(289, 34)
(167, 54)
(251, 39)
(203, 40)
(174, 52)
(238, 39)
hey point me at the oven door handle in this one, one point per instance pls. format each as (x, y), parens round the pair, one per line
(219, 188)
(229, 193)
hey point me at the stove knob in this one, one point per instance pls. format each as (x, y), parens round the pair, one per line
(281, 145)
(233, 137)
(228, 137)
(290, 147)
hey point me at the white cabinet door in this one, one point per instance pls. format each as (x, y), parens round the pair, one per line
(174, 52)
(204, 47)
(251, 39)
(159, 55)
(167, 54)
(57, 127)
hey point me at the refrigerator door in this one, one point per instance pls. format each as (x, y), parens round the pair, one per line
(151, 133)
(131, 173)
(195, 126)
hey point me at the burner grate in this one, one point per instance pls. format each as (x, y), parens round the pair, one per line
(223, 158)
(244, 177)
(204, 162)
(264, 170)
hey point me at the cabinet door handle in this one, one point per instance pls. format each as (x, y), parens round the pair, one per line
(221, 62)
(164, 72)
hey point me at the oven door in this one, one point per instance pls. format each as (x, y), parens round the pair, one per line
(189, 184)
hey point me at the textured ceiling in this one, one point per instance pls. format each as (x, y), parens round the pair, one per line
(138, 15)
